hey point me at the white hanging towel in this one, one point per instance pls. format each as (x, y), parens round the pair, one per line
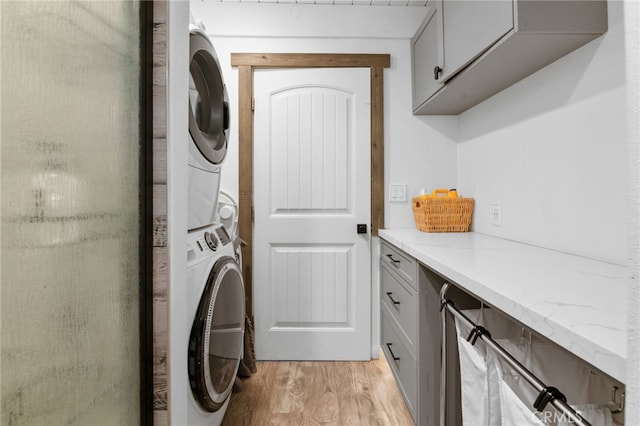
(480, 399)
(473, 385)
(493, 393)
(513, 411)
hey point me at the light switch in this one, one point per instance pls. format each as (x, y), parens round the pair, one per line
(397, 193)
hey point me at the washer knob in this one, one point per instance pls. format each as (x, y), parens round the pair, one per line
(211, 241)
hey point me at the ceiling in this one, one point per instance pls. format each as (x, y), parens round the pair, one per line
(334, 2)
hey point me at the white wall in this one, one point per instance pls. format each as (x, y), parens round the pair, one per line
(552, 149)
(419, 151)
(632, 45)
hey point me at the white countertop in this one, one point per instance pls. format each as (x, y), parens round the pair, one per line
(577, 302)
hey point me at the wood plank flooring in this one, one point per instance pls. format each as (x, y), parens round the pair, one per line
(319, 393)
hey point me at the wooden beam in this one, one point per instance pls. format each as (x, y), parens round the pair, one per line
(377, 150)
(309, 60)
(245, 179)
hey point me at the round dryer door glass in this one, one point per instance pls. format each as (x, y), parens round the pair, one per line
(217, 335)
(208, 101)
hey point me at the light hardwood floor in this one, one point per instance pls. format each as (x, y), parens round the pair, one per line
(319, 393)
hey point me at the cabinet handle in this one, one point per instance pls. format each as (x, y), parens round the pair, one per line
(436, 72)
(395, 302)
(390, 256)
(395, 358)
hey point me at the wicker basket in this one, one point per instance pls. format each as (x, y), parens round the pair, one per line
(442, 214)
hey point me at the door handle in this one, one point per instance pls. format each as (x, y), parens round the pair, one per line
(395, 262)
(395, 302)
(395, 358)
(436, 72)
(362, 228)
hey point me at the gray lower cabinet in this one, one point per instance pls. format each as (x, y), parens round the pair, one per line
(403, 363)
(410, 334)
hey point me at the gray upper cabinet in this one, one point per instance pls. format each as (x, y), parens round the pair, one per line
(426, 55)
(468, 50)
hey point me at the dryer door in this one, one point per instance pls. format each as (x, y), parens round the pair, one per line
(208, 101)
(217, 334)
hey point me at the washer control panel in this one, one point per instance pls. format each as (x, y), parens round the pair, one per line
(211, 240)
(204, 242)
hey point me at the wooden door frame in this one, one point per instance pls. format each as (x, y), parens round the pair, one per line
(246, 63)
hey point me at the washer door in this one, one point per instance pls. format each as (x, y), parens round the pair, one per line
(208, 101)
(217, 335)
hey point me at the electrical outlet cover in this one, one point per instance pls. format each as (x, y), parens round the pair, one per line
(397, 193)
(496, 214)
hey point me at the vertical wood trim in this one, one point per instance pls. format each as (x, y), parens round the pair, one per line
(245, 183)
(377, 150)
(147, 196)
(160, 257)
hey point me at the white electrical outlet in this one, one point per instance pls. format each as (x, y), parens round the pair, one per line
(496, 214)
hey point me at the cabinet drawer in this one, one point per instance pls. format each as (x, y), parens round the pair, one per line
(401, 302)
(403, 365)
(403, 264)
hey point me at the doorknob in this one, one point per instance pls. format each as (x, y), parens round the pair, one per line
(436, 72)
(362, 228)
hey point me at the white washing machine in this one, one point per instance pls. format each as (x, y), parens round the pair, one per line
(208, 128)
(216, 336)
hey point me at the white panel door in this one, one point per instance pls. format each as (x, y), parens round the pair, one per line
(311, 277)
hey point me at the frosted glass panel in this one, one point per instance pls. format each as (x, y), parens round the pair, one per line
(69, 241)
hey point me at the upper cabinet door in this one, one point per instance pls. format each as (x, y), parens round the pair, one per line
(427, 55)
(468, 50)
(470, 28)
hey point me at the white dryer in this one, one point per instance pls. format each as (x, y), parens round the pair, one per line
(208, 128)
(216, 299)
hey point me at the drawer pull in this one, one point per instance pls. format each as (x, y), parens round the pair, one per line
(395, 302)
(390, 256)
(395, 358)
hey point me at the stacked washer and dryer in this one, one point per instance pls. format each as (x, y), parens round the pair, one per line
(215, 286)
